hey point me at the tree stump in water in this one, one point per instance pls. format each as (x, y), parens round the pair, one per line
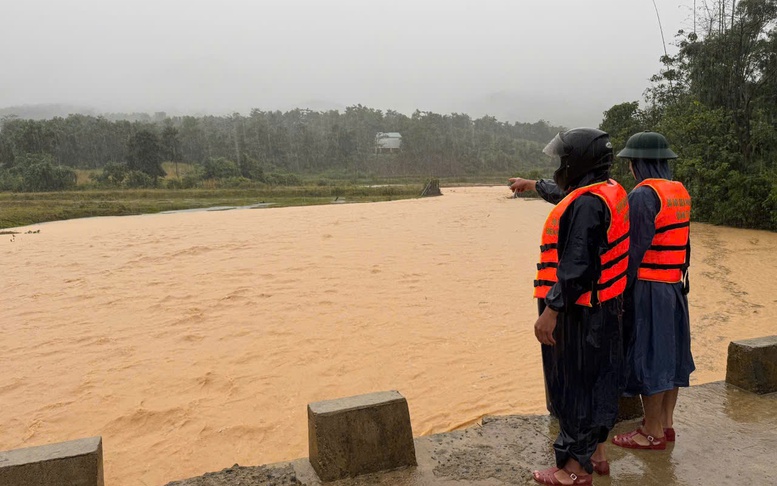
(432, 188)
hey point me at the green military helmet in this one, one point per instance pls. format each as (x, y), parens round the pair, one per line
(647, 145)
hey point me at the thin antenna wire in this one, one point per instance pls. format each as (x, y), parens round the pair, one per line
(694, 17)
(663, 41)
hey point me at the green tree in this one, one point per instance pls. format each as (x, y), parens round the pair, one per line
(715, 102)
(731, 66)
(39, 174)
(220, 168)
(621, 122)
(113, 174)
(144, 154)
(171, 145)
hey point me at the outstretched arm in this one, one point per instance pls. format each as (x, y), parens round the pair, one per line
(549, 191)
(546, 188)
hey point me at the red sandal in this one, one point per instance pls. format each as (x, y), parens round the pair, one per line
(627, 441)
(669, 434)
(548, 476)
(602, 468)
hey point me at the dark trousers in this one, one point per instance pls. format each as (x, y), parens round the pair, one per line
(582, 375)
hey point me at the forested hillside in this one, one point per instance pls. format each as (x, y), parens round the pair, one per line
(716, 102)
(302, 142)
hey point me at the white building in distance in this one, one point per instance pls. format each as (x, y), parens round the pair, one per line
(387, 142)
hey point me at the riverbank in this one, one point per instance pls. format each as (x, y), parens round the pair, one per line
(725, 436)
(22, 209)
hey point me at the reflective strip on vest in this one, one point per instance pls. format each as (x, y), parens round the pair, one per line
(667, 257)
(613, 262)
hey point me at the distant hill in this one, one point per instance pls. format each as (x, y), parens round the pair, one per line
(505, 106)
(44, 111)
(320, 105)
(47, 111)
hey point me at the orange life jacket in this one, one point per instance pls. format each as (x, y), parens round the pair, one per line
(613, 263)
(667, 258)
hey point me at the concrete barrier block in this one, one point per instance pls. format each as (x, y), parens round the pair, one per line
(360, 435)
(752, 364)
(72, 463)
(629, 408)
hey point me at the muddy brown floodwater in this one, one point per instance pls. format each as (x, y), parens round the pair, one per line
(194, 341)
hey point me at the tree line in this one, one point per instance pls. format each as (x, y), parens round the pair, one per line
(268, 146)
(716, 102)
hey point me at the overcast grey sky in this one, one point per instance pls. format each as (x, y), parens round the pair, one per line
(563, 60)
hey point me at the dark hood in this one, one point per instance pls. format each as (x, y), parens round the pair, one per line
(651, 169)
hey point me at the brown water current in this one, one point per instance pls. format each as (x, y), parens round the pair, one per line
(194, 341)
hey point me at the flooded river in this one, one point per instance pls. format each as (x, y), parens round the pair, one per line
(194, 341)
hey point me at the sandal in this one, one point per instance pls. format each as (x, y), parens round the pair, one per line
(548, 476)
(627, 441)
(602, 468)
(669, 434)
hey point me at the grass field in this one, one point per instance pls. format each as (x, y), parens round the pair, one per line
(22, 209)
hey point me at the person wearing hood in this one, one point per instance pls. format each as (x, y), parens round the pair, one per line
(658, 356)
(580, 281)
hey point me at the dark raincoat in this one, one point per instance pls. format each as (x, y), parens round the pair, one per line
(658, 342)
(582, 370)
(549, 191)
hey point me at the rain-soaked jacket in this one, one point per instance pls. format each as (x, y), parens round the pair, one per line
(582, 370)
(666, 260)
(658, 340)
(611, 280)
(549, 191)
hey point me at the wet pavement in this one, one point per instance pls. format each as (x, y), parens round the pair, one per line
(725, 436)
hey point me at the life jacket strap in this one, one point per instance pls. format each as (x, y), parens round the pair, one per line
(618, 241)
(667, 247)
(663, 266)
(544, 265)
(615, 260)
(671, 227)
(612, 281)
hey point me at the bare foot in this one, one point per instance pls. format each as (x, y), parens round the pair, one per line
(639, 439)
(642, 439)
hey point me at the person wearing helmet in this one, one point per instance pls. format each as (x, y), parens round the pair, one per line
(580, 279)
(658, 355)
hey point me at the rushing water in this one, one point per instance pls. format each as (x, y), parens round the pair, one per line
(194, 341)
